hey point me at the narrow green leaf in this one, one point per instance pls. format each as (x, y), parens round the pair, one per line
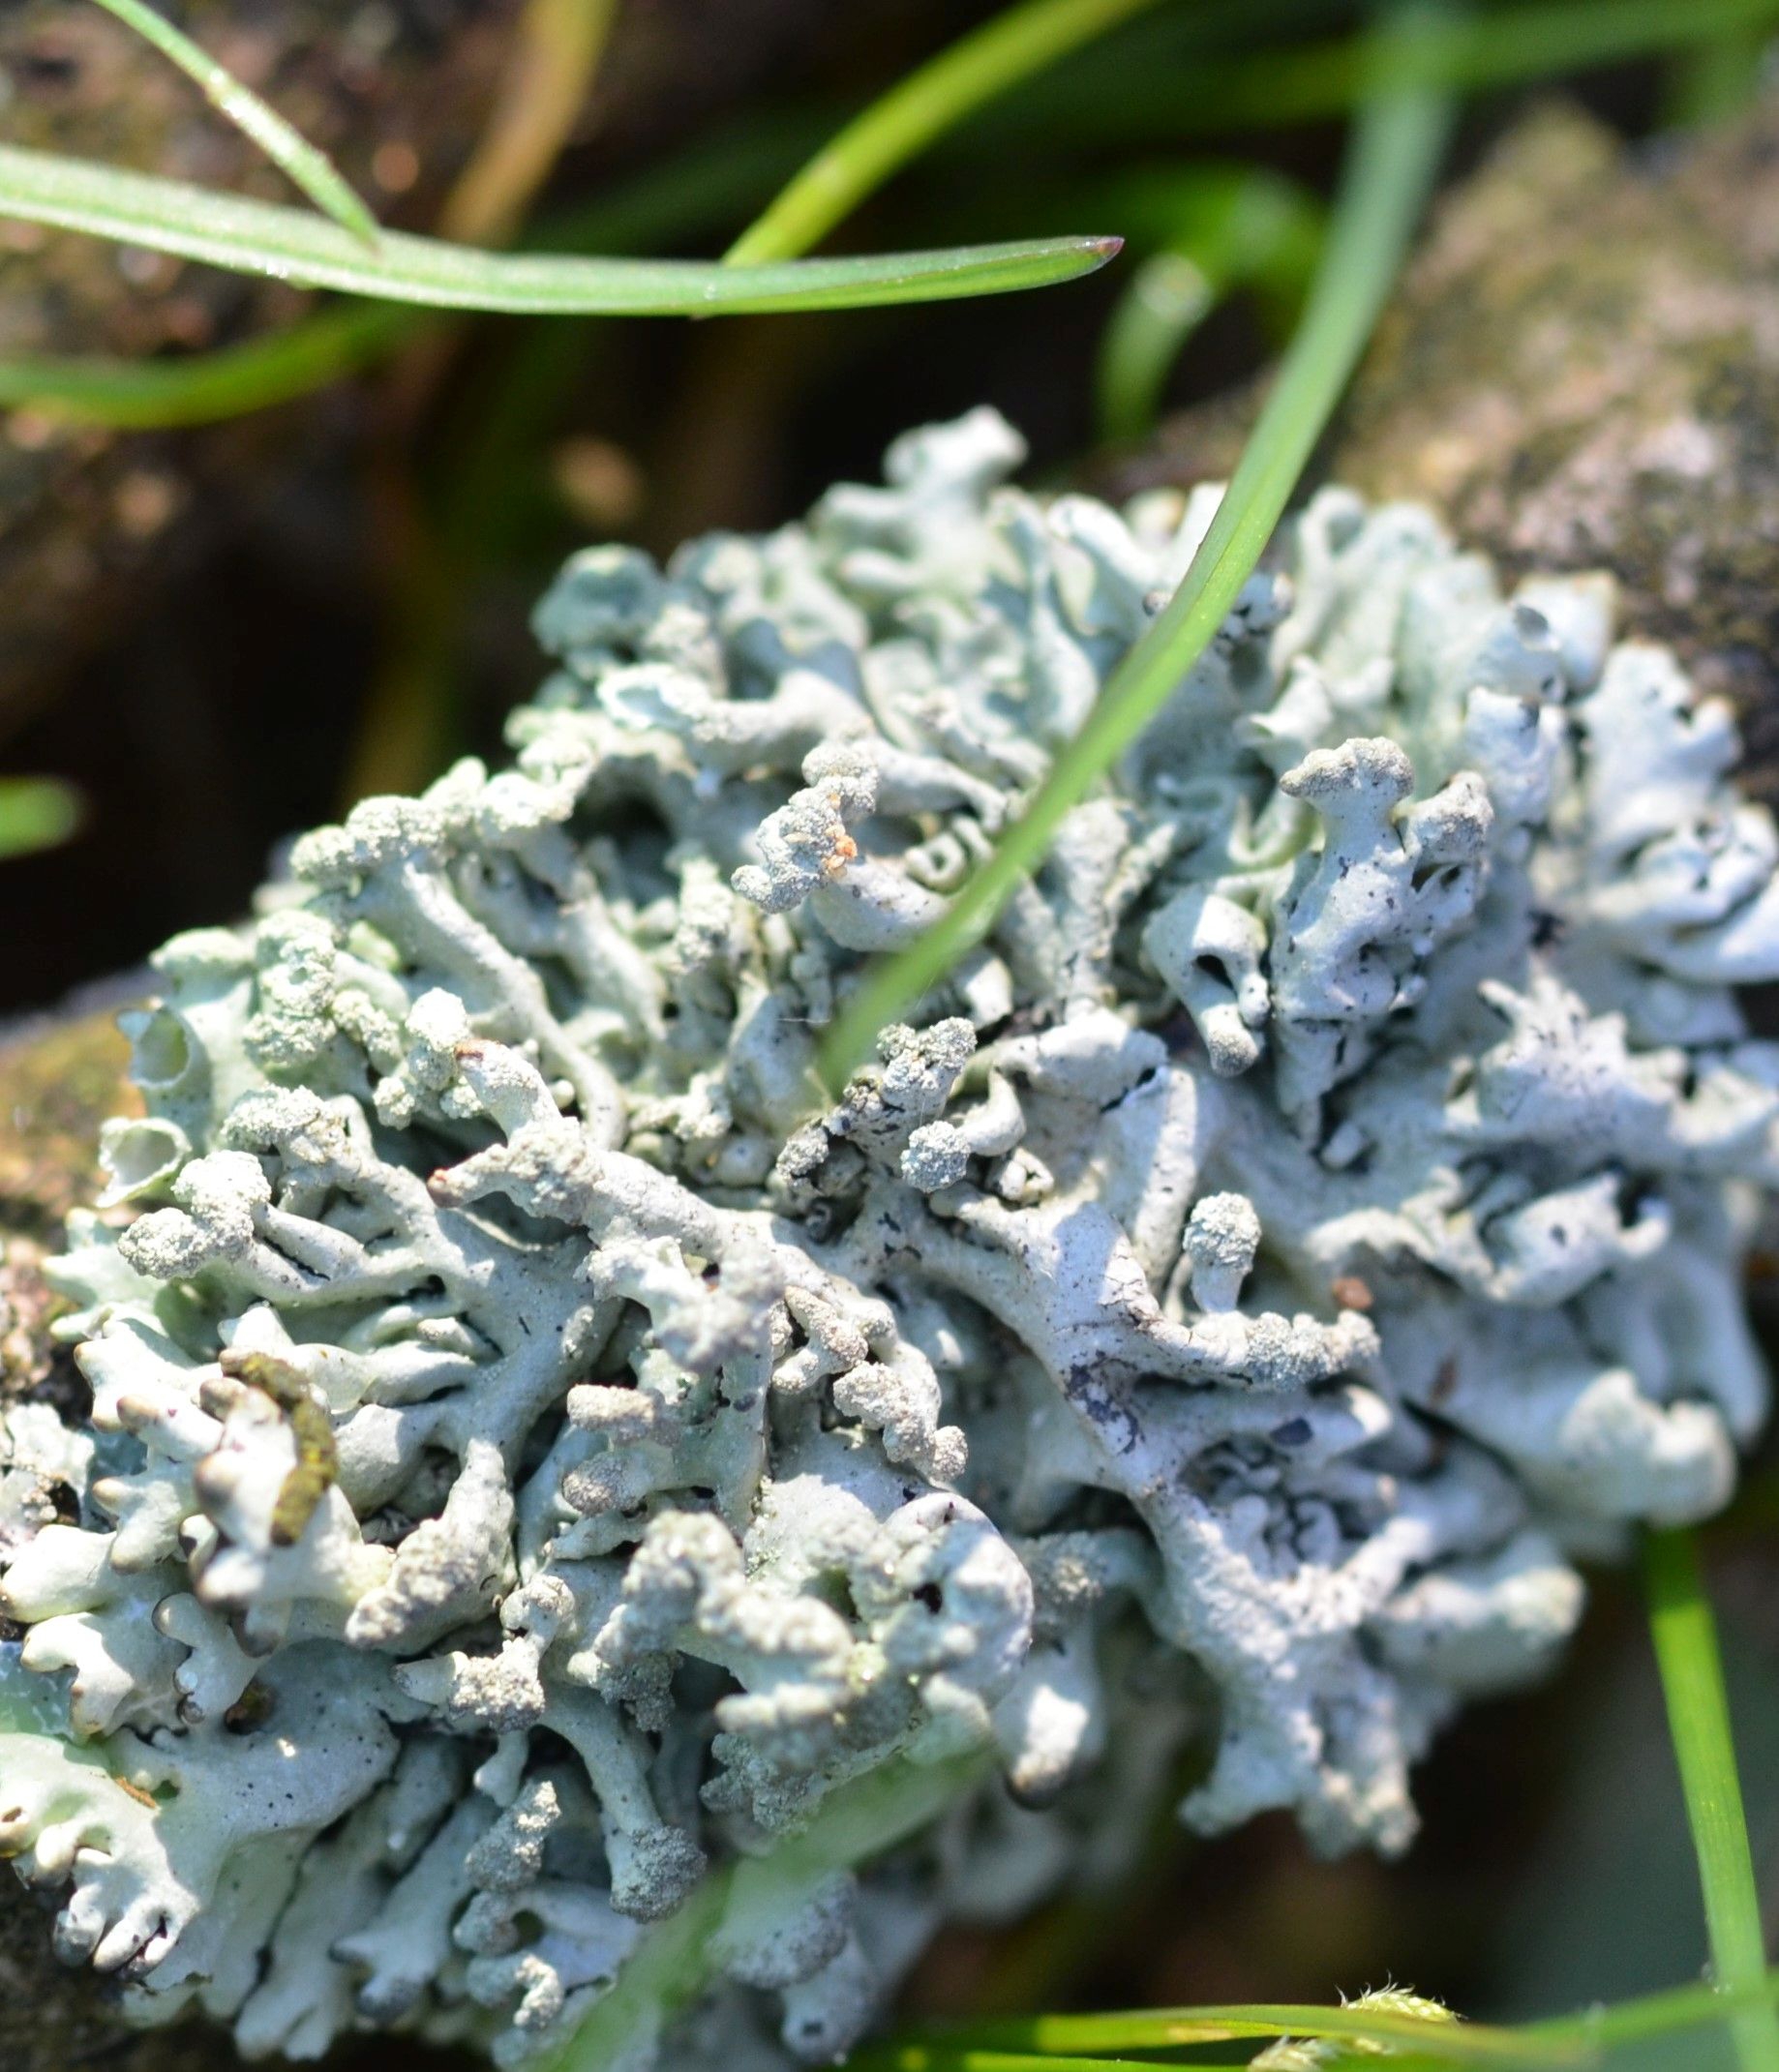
(249, 236)
(1390, 170)
(1232, 226)
(670, 1961)
(555, 52)
(938, 2058)
(147, 394)
(1686, 1652)
(1717, 80)
(308, 169)
(1499, 49)
(917, 110)
(701, 190)
(1310, 81)
(36, 813)
(1055, 2043)
(1168, 297)
(1677, 2011)
(1167, 2028)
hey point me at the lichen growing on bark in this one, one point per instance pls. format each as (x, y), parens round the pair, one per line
(555, 1474)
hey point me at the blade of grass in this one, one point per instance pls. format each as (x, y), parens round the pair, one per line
(1168, 297)
(1686, 1652)
(916, 110)
(36, 813)
(249, 236)
(938, 2058)
(703, 190)
(1393, 157)
(1717, 80)
(1311, 81)
(1053, 2043)
(1677, 2011)
(308, 169)
(1168, 2029)
(672, 1959)
(1497, 49)
(1236, 226)
(556, 50)
(139, 395)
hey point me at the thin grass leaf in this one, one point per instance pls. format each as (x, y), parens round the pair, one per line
(1501, 49)
(1311, 81)
(1168, 297)
(557, 49)
(937, 2057)
(142, 395)
(308, 169)
(1170, 2028)
(36, 813)
(1393, 153)
(259, 237)
(1365, 2058)
(1686, 1652)
(1395, 2057)
(1717, 80)
(917, 110)
(1234, 226)
(1677, 2011)
(698, 192)
(671, 1961)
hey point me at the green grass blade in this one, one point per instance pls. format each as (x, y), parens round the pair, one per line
(1677, 2011)
(1501, 49)
(700, 191)
(556, 50)
(917, 110)
(1168, 2029)
(1232, 226)
(1717, 80)
(249, 236)
(1392, 160)
(670, 1961)
(36, 813)
(1167, 298)
(310, 170)
(940, 2057)
(1503, 46)
(1686, 1652)
(145, 395)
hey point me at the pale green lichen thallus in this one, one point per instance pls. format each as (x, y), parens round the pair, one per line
(542, 1447)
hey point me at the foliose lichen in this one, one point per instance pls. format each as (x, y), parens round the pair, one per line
(554, 1475)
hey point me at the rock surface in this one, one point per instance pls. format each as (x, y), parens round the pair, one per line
(1578, 372)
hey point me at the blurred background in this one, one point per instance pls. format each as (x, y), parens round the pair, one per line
(215, 633)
